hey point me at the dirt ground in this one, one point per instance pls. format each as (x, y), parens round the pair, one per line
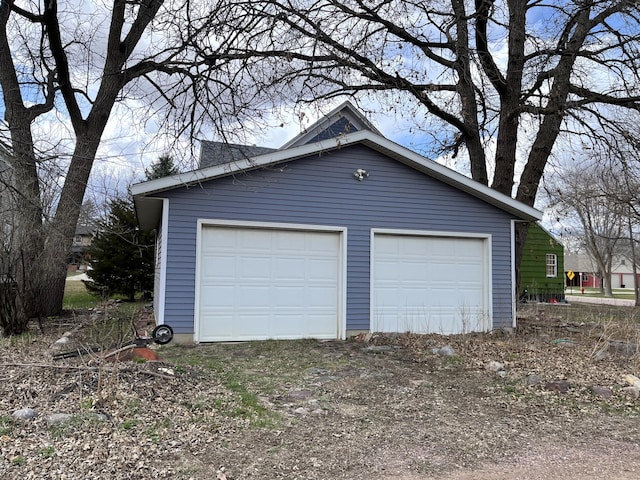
(382, 407)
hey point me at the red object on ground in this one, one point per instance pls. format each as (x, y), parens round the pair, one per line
(137, 353)
(583, 290)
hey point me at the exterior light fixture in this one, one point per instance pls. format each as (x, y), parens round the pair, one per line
(361, 174)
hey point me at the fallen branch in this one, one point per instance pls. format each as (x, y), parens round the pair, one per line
(119, 350)
(86, 368)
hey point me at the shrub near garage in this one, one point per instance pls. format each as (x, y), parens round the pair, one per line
(122, 255)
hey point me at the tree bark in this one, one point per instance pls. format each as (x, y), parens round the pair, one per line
(41, 248)
(25, 251)
(470, 130)
(510, 90)
(63, 227)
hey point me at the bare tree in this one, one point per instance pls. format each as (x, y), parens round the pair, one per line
(500, 81)
(63, 65)
(584, 192)
(623, 158)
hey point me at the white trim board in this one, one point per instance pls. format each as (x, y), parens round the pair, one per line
(342, 267)
(487, 296)
(162, 289)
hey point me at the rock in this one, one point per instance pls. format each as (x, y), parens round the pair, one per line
(632, 391)
(501, 373)
(295, 395)
(601, 391)
(446, 351)
(323, 379)
(503, 331)
(377, 349)
(417, 383)
(494, 366)
(561, 386)
(301, 411)
(632, 380)
(58, 418)
(24, 414)
(318, 411)
(101, 417)
(623, 348)
(532, 380)
(62, 341)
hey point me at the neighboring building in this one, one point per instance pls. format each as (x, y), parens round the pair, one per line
(587, 275)
(217, 153)
(584, 269)
(341, 231)
(622, 273)
(542, 276)
(80, 257)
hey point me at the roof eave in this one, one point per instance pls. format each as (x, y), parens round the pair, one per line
(365, 137)
(148, 211)
(453, 178)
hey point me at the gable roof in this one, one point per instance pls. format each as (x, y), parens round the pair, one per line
(85, 230)
(342, 120)
(216, 153)
(149, 208)
(579, 262)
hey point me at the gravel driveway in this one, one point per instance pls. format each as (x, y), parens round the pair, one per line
(405, 407)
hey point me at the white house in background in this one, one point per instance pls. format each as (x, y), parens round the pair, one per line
(587, 274)
(622, 273)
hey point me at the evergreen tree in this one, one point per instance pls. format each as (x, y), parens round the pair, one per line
(163, 167)
(122, 256)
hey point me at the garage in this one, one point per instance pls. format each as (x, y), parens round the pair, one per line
(430, 283)
(259, 283)
(340, 231)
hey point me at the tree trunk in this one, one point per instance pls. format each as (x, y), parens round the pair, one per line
(510, 97)
(60, 235)
(608, 291)
(26, 249)
(469, 109)
(633, 261)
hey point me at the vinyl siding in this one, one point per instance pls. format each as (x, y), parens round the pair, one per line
(321, 190)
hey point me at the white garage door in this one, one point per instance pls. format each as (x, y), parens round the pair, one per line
(259, 283)
(430, 284)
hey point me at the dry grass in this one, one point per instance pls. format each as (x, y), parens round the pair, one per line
(318, 410)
